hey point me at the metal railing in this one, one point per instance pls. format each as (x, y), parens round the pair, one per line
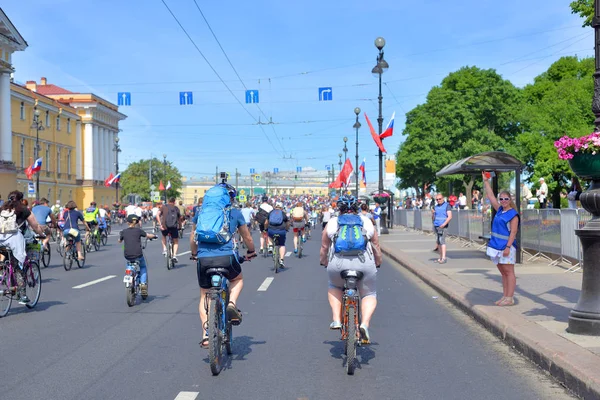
(547, 234)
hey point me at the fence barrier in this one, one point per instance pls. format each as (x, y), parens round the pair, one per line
(545, 234)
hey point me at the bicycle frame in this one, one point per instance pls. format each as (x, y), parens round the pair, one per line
(350, 299)
(219, 292)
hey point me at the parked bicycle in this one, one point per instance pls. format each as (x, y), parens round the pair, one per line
(70, 253)
(8, 281)
(351, 318)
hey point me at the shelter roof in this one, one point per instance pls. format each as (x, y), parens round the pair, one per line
(498, 161)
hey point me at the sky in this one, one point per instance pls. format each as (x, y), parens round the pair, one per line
(286, 51)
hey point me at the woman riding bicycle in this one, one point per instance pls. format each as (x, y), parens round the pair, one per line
(71, 227)
(13, 215)
(365, 262)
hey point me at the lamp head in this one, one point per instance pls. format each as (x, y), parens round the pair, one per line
(345, 139)
(117, 139)
(357, 110)
(36, 112)
(380, 43)
(340, 155)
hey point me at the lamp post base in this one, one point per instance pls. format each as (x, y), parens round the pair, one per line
(384, 228)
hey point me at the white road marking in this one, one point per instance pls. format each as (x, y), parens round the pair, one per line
(187, 395)
(94, 282)
(184, 253)
(265, 284)
(289, 253)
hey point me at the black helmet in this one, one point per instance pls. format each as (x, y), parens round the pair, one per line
(265, 199)
(131, 218)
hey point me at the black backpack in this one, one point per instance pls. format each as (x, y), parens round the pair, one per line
(261, 216)
(171, 218)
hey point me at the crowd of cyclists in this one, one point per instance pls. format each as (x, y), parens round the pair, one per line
(273, 217)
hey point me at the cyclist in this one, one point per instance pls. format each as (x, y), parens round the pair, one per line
(41, 213)
(278, 224)
(72, 217)
(299, 220)
(132, 250)
(261, 217)
(168, 217)
(366, 262)
(90, 216)
(13, 215)
(184, 214)
(216, 255)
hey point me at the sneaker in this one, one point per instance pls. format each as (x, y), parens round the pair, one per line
(335, 325)
(24, 299)
(175, 260)
(233, 314)
(260, 251)
(144, 289)
(164, 253)
(295, 251)
(364, 333)
(281, 264)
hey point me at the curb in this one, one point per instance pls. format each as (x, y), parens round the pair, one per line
(573, 366)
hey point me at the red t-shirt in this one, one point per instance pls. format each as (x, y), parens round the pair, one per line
(452, 200)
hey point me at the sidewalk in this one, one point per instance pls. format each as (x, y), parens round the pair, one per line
(535, 325)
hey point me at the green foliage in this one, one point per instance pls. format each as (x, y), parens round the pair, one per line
(585, 9)
(135, 179)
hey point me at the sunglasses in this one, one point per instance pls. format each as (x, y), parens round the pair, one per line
(504, 198)
(439, 199)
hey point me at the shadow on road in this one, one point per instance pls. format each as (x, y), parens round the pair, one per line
(364, 353)
(41, 306)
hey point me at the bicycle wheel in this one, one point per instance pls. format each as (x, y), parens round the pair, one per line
(68, 257)
(60, 246)
(96, 242)
(300, 247)
(169, 255)
(228, 339)
(80, 263)
(53, 234)
(352, 341)
(88, 243)
(276, 258)
(108, 230)
(5, 293)
(130, 292)
(104, 238)
(214, 336)
(46, 255)
(33, 284)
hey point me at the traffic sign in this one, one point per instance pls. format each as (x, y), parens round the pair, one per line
(153, 187)
(328, 167)
(257, 178)
(252, 171)
(228, 176)
(242, 191)
(275, 170)
(242, 198)
(186, 98)
(30, 189)
(325, 94)
(251, 96)
(124, 98)
(298, 169)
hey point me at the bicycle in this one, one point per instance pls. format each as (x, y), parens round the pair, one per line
(46, 254)
(103, 237)
(92, 240)
(170, 255)
(108, 226)
(9, 285)
(132, 280)
(351, 318)
(70, 253)
(276, 260)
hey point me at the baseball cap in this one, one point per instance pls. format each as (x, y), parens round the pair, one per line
(541, 179)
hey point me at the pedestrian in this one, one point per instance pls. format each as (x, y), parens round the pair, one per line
(542, 193)
(377, 218)
(526, 195)
(502, 247)
(475, 200)
(452, 199)
(462, 201)
(441, 216)
(574, 192)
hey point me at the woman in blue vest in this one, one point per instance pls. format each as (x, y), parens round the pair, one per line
(502, 247)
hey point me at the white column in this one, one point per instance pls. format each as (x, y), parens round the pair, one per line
(107, 152)
(88, 146)
(5, 121)
(100, 152)
(78, 164)
(95, 163)
(111, 145)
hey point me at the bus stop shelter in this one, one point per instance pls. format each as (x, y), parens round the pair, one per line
(498, 162)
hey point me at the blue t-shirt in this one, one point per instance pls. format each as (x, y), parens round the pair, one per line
(41, 213)
(214, 249)
(71, 218)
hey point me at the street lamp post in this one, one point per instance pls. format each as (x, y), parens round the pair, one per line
(356, 126)
(165, 174)
(378, 70)
(584, 318)
(38, 126)
(117, 150)
(340, 164)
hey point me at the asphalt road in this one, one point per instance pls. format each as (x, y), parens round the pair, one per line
(88, 344)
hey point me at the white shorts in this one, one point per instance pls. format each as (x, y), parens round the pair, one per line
(498, 258)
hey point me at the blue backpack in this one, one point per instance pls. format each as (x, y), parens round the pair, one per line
(276, 218)
(350, 239)
(212, 225)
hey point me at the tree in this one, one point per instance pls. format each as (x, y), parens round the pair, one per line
(135, 179)
(558, 103)
(585, 9)
(472, 111)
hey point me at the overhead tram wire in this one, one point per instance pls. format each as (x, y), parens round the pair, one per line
(216, 73)
(236, 73)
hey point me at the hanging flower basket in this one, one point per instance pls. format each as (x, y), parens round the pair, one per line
(583, 154)
(381, 198)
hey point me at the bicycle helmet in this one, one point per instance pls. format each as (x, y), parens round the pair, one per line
(230, 189)
(347, 203)
(265, 199)
(131, 218)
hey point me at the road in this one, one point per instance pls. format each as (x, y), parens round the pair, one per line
(88, 344)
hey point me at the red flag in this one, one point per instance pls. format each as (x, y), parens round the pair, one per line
(161, 187)
(375, 136)
(107, 180)
(344, 177)
(29, 172)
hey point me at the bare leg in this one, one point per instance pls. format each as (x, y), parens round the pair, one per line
(443, 251)
(281, 252)
(501, 269)
(335, 301)
(175, 247)
(367, 306)
(511, 279)
(202, 311)
(295, 240)
(236, 288)
(164, 243)
(79, 253)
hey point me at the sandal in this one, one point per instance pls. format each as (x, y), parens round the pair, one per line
(204, 343)
(508, 301)
(499, 301)
(233, 314)
(442, 261)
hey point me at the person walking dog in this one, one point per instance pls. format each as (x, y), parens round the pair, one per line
(502, 247)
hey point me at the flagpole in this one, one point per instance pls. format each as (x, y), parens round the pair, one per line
(356, 125)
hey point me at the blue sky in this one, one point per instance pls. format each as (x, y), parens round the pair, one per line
(286, 50)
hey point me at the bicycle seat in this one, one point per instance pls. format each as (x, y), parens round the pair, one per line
(349, 273)
(217, 271)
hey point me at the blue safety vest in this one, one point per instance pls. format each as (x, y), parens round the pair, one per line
(500, 229)
(440, 213)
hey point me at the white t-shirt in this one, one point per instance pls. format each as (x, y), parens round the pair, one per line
(102, 212)
(332, 227)
(154, 212)
(267, 207)
(462, 200)
(130, 209)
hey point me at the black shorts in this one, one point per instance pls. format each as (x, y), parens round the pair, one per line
(261, 225)
(205, 263)
(173, 231)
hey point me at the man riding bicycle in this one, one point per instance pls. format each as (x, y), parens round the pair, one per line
(220, 254)
(299, 220)
(261, 217)
(90, 216)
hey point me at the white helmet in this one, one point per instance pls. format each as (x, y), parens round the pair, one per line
(279, 204)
